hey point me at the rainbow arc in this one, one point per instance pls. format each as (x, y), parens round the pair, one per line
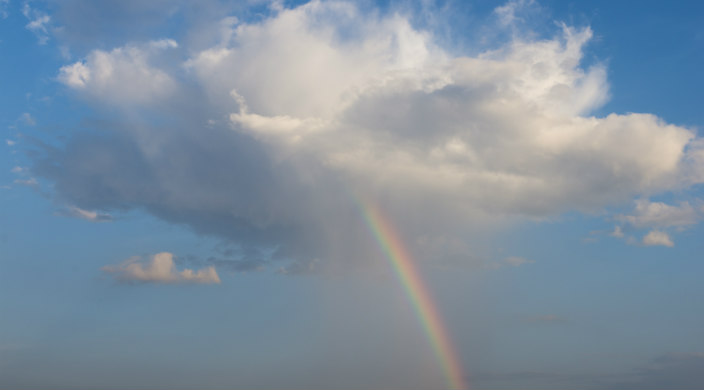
(417, 293)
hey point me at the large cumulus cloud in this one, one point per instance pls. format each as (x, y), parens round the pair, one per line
(274, 135)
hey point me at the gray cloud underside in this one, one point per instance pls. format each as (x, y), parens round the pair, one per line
(272, 136)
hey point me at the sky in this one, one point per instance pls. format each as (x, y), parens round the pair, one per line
(352, 195)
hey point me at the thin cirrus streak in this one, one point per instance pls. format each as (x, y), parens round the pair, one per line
(417, 293)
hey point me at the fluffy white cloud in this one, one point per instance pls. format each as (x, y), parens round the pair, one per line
(290, 119)
(160, 269)
(122, 76)
(503, 131)
(656, 237)
(314, 60)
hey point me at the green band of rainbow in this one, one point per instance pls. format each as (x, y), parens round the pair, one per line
(417, 293)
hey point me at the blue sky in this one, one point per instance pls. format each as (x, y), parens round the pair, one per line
(178, 182)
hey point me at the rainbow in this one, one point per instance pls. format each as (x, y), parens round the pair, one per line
(416, 292)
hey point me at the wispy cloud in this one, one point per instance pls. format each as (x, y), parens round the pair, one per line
(299, 267)
(27, 119)
(662, 215)
(88, 215)
(38, 22)
(3, 8)
(617, 232)
(29, 182)
(511, 261)
(511, 12)
(159, 268)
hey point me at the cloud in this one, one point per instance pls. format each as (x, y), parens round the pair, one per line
(510, 12)
(659, 217)
(10, 142)
(122, 76)
(617, 232)
(38, 22)
(160, 269)
(511, 261)
(656, 237)
(271, 135)
(662, 215)
(30, 182)
(88, 215)
(299, 268)
(27, 119)
(3, 8)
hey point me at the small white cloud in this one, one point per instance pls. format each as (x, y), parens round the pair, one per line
(160, 269)
(617, 232)
(123, 75)
(10, 142)
(656, 237)
(18, 170)
(164, 44)
(27, 119)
